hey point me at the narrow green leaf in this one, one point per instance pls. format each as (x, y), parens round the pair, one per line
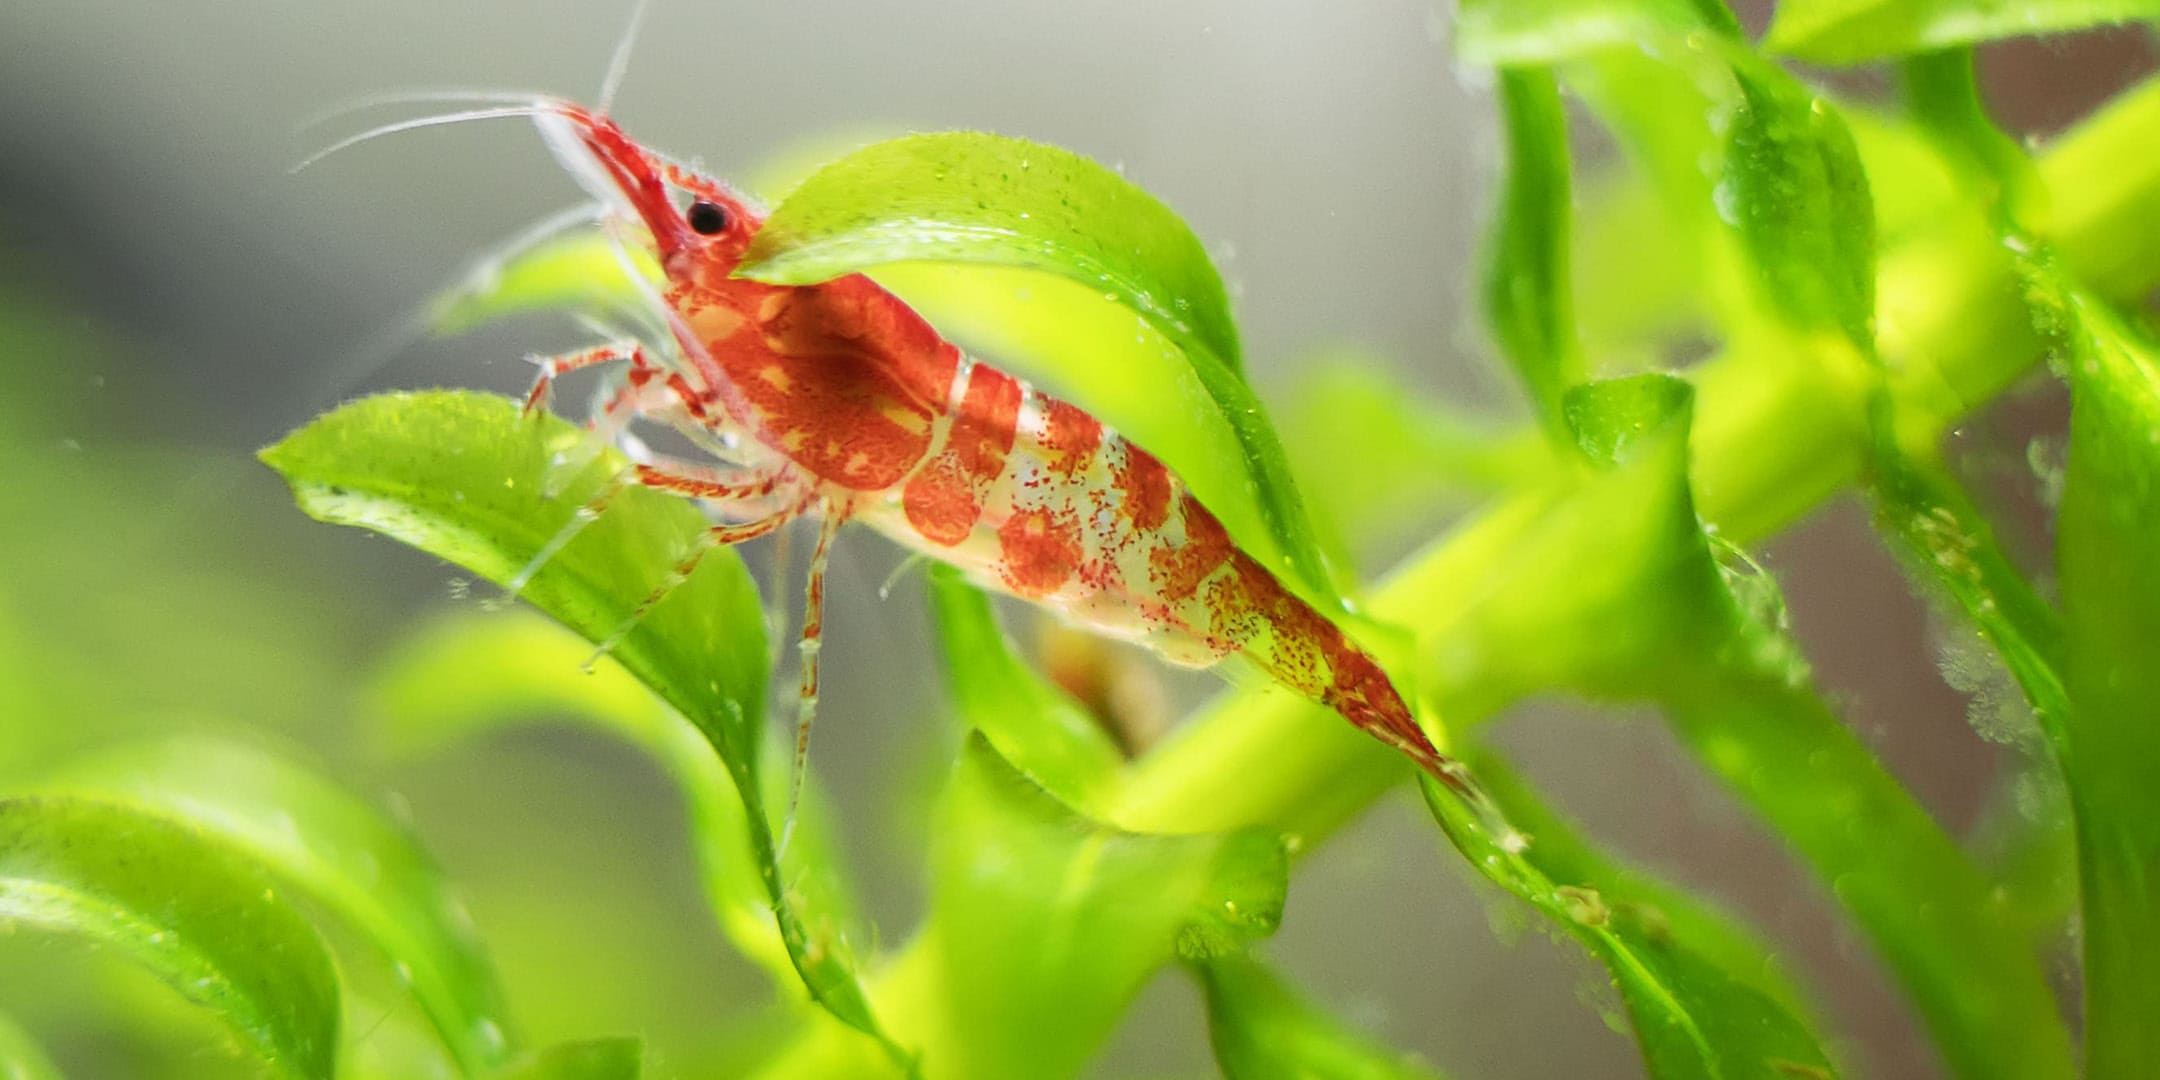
(1854, 31)
(1967, 965)
(588, 1059)
(1035, 726)
(1565, 854)
(188, 909)
(21, 1058)
(2111, 606)
(1691, 1019)
(1262, 1030)
(1526, 279)
(467, 675)
(1740, 699)
(1498, 32)
(1044, 925)
(343, 853)
(465, 477)
(968, 197)
(1795, 190)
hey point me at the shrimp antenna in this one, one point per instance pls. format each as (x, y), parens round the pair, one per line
(619, 63)
(440, 95)
(537, 108)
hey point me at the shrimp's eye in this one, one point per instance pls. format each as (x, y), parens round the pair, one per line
(707, 218)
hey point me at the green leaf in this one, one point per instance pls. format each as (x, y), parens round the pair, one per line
(343, 853)
(1526, 280)
(1853, 31)
(969, 197)
(2111, 606)
(1497, 32)
(588, 1059)
(467, 675)
(1035, 726)
(186, 908)
(465, 477)
(1262, 1030)
(1795, 190)
(965, 196)
(1044, 925)
(1691, 1019)
(20, 1056)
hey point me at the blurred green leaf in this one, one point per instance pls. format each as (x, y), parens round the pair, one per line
(1691, 1019)
(1945, 102)
(1527, 298)
(342, 852)
(969, 197)
(1381, 462)
(1262, 1030)
(577, 271)
(2111, 605)
(1045, 925)
(469, 674)
(20, 1056)
(467, 478)
(588, 1059)
(1853, 31)
(1544, 31)
(1794, 189)
(1035, 726)
(190, 910)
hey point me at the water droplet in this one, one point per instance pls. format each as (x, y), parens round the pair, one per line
(488, 1034)
(403, 972)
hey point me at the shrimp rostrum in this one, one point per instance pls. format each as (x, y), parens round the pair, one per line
(837, 401)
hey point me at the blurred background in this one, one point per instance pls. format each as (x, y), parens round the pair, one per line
(172, 298)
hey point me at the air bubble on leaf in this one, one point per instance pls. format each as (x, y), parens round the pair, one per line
(1996, 708)
(489, 1034)
(1725, 197)
(404, 973)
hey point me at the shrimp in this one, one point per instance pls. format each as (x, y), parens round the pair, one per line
(837, 401)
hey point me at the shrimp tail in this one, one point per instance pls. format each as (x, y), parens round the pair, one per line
(1307, 652)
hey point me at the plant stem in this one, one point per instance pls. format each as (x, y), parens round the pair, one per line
(1776, 435)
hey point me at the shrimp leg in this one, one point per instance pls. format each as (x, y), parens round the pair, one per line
(718, 536)
(813, 631)
(555, 367)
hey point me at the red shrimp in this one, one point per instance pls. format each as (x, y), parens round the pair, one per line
(838, 401)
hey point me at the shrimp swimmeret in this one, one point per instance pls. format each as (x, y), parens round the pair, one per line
(837, 401)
